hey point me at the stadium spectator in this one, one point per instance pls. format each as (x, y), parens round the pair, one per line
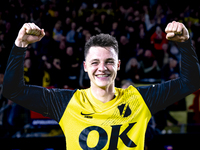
(133, 70)
(57, 31)
(171, 70)
(149, 66)
(70, 61)
(71, 33)
(158, 38)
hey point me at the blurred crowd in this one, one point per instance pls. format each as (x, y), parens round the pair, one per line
(138, 25)
(56, 61)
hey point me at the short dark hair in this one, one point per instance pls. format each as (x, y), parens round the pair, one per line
(102, 40)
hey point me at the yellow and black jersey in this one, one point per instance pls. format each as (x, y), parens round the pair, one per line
(89, 124)
(118, 124)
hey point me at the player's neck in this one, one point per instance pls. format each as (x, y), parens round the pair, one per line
(103, 94)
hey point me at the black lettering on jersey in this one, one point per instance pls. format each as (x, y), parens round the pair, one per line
(123, 136)
(90, 117)
(103, 138)
(126, 140)
(124, 110)
(87, 115)
(114, 137)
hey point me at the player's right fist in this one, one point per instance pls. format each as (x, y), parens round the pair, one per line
(29, 33)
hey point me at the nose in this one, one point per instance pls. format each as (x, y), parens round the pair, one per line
(102, 67)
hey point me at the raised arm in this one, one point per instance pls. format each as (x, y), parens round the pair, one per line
(29, 33)
(159, 96)
(49, 102)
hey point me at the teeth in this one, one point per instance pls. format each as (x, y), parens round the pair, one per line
(102, 75)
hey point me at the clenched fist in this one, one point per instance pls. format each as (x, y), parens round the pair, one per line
(29, 33)
(177, 32)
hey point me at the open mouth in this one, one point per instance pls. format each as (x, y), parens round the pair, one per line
(102, 76)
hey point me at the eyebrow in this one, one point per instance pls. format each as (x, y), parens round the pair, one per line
(110, 59)
(94, 60)
(98, 59)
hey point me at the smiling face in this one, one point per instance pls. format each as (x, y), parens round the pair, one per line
(102, 65)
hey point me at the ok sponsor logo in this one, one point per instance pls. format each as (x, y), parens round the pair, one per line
(103, 137)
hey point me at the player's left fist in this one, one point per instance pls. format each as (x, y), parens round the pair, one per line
(177, 32)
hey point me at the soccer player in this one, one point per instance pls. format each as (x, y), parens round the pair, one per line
(101, 117)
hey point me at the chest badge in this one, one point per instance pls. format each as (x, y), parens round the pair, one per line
(124, 110)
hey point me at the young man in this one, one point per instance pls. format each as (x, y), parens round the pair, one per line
(102, 116)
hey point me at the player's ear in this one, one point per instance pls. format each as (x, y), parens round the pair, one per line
(118, 64)
(85, 66)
